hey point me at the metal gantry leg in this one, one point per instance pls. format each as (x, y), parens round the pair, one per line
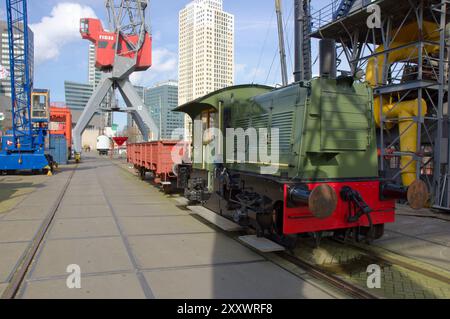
(91, 108)
(139, 112)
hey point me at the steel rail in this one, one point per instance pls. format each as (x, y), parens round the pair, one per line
(336, 282)
(417, 266)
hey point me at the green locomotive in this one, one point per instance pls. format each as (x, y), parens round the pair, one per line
(319, 173)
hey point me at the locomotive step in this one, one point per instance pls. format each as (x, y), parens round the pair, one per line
(261, 244)
(219, 221)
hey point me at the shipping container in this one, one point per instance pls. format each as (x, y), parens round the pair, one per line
(58, 148)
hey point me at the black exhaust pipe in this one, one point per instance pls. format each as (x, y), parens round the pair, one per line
(299, 195)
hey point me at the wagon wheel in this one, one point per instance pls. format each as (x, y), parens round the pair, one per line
(277, 219)
(167, 189)
(142, 174)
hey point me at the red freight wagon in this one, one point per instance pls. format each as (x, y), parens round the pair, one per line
(155, 157)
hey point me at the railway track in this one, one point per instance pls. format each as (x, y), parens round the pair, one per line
(342, 285)
(400, 277)
(286, 261)
(343, 266)
(386, 256)
(19, 275)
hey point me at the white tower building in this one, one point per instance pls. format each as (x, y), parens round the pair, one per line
(206, 50)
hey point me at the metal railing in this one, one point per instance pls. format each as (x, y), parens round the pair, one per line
(334, 11)
(324, 15)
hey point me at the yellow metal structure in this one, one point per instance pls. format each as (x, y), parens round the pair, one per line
(404, 111)
(77, 157)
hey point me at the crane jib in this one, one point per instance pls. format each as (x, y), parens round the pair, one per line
(22, 128)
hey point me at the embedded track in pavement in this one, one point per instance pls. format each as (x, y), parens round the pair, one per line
(343, 266)
(400, 276)
(21, 271)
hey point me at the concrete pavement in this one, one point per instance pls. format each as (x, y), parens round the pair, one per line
(131, 241)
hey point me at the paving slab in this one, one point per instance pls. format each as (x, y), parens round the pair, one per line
(156, 209)
(260, 280)
(27, 213)
(181, 200)
(18, 230)
(435, 254)
(112, 286)
(219, 221)
(147, 199)
(10, 255)
(93, 255)
(83, 211)
(134, 191)
(83, 193)
(38, 199)
(81, 201)
(416, 226)
(84, 227)
(2, 288)
(163, 225)
(261, 244)
(74, 187)
(163, 251)
(44, 205)
(440, 237)
(85, 181)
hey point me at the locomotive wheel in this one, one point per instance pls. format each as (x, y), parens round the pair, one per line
(142, 174)
(378, 231)
(277, 219)
(169, 189)
(288, 241)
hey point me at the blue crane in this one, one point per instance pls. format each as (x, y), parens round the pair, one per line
(23, 147)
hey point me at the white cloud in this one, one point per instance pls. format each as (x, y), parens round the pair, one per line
(165, 64)
(58, 29)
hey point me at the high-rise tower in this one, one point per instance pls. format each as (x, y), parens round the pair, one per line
(206, 50)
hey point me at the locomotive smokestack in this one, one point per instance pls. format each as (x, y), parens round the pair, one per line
(299, 72)
(327, 52)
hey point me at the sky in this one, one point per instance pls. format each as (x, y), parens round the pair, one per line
(61, 54)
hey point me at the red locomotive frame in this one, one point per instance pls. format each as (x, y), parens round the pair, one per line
(300, 220)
